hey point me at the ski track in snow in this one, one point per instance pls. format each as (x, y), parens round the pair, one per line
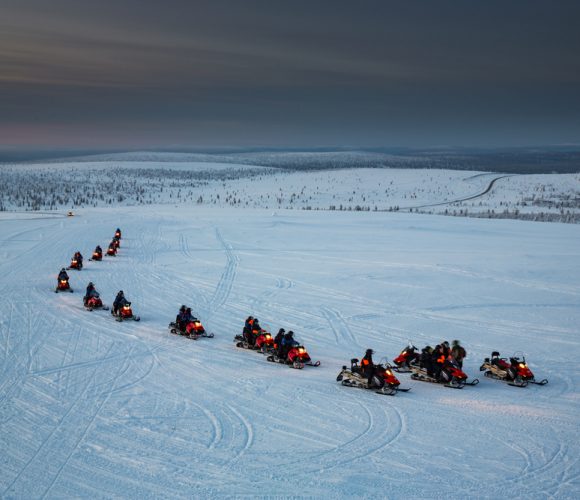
(92, 407)
(342, 332)
(226, 282)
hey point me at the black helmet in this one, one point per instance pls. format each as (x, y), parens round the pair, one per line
(121, 292)
(370, 351)
(256, 320)
(281, 330)
(63, 269)
(290, 333)
(91, 283)
(188, 310)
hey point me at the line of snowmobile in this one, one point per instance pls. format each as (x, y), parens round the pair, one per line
(426, 366)
(93, 300)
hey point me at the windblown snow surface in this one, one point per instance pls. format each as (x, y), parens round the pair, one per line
(90, 407)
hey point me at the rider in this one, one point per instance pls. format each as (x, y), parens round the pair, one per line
(63, 275)
(188, 320)
(426, 360)
(79, 258)
(367, 366)
(98, 250)
(90, 293)
(119, 302)
(180, 316)
(438, 359)
(458, 352)
(286, 344)
(278, 338)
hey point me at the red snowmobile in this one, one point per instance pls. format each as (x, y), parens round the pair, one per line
(116, 242)
(118, 234)
(451, 375)
(514, 372)
(193, 330)
(95, 302)
(97, 255)
(76, 264)
(297, 358)
(125, 312)
(408, 356)
(265, 342)
(383, 381)
(112, 251)
(63, 286)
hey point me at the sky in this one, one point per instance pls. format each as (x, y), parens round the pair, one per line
(133, 74)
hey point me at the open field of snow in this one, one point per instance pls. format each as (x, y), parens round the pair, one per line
(90, 407)
(170, 178)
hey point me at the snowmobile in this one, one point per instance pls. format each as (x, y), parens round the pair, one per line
(264, 342)
(196, 331)
(118, 234)
(408, 356)
(125, 312)
(97, 256)
(111, 251)
(297, 358)
(514, 372)
(116, 243)
(75, 264)
(95, 302)
(383, 380)
(451, 375)
(63, 286)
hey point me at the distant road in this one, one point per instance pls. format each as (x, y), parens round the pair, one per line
(472, 197)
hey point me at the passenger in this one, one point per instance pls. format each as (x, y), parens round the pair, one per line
(367, 366)
(458, 353)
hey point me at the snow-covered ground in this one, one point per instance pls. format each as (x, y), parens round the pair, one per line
(171, 178)
(90, 407)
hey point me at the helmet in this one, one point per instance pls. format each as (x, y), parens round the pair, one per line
(281, 330)
(369, 351)
(63, 269)
(91, 283)
(290, 333)
(188, 310)
(256, 320)
(445, 344)
(183, 307)
(455, 343)
(121, 292)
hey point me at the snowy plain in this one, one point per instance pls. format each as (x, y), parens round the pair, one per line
(90, 407)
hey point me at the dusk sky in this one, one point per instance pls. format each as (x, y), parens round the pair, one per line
(139, 74)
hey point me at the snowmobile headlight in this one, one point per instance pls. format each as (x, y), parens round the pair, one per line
(522, 365)
(301, 350)
(389, 372)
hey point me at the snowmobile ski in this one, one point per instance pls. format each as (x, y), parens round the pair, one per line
(541, 382)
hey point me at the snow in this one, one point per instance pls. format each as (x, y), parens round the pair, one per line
(90, 407)
(126, 181)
